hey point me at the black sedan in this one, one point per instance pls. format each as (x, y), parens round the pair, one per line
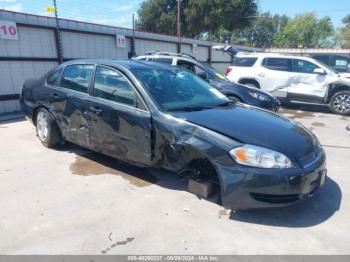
(165, 117)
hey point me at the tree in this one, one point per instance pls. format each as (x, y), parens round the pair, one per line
(198, 17)
(345, 33)
(262, 32)
(306, 30)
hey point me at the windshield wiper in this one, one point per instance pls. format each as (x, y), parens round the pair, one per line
(190, 108)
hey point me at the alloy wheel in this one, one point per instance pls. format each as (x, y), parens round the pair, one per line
(341, 103)
(42, 126)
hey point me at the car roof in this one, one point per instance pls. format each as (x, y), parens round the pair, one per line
(274, 55)
(128, 64)
(178, 57)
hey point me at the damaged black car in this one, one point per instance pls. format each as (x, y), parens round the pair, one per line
(154, 115)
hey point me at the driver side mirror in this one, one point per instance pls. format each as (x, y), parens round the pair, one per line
(320, 71)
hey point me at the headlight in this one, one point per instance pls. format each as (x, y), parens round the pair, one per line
(259, 96)
(257, 156)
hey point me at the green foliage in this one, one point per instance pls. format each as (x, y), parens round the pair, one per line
(345, 33)
(198, 17)
(262, 32)
(306, 30)
(238, 22)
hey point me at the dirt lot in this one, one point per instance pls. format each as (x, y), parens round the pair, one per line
(72, 201)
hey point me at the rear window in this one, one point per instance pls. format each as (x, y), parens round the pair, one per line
(244, 61)
(52, 79)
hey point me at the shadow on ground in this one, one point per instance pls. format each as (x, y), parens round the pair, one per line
(309, 213)
(307, 107)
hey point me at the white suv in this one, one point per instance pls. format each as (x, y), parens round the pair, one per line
(292, 78)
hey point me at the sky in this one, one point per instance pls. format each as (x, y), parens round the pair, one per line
(119, 12)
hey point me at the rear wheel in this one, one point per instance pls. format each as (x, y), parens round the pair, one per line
(46, 129)
(340, 103)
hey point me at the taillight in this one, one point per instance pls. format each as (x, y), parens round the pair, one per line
(228, 70)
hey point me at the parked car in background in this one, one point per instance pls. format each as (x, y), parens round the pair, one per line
(339, 63)
(292, 79)
(153, 115)
(234, 91)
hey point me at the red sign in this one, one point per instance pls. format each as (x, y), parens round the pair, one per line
(8, 30)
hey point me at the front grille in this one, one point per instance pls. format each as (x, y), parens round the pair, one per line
(276, 199)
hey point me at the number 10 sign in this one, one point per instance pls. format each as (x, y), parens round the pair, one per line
(8, 30)
(121, 42)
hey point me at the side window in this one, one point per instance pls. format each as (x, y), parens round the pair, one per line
(77, 77)
(193, 68)
(302, 66)
(186, 65)
(111, 85)
(244, 61)
(278, 64)
(53, 78)
(163, 60)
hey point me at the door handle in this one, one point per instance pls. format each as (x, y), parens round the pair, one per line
(261, 74)
(96, 110)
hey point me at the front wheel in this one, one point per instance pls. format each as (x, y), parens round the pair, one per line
(340, 103)
(46, 128)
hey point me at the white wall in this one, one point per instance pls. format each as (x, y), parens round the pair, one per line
(12, 76)
(144, 46)
(32, 42)
(81, 45)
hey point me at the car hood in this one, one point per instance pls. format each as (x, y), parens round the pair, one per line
(340, 79)
(345, 75)
(251, 125)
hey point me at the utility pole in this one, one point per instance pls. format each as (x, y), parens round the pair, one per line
(58, 36)
(179, 24)
(133, 44)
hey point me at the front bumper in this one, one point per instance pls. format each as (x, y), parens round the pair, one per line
(250, 188)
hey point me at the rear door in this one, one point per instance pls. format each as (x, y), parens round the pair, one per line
(306, 85)
(70, 100)
(274, 75)
(120, 122)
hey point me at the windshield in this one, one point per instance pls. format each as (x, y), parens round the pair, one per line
(175, 90)
(213, 71)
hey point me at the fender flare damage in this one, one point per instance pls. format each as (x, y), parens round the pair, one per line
(192, 148)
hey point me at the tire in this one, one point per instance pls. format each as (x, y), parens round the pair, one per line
(340, 103)
(234, 98)
(47, 129)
